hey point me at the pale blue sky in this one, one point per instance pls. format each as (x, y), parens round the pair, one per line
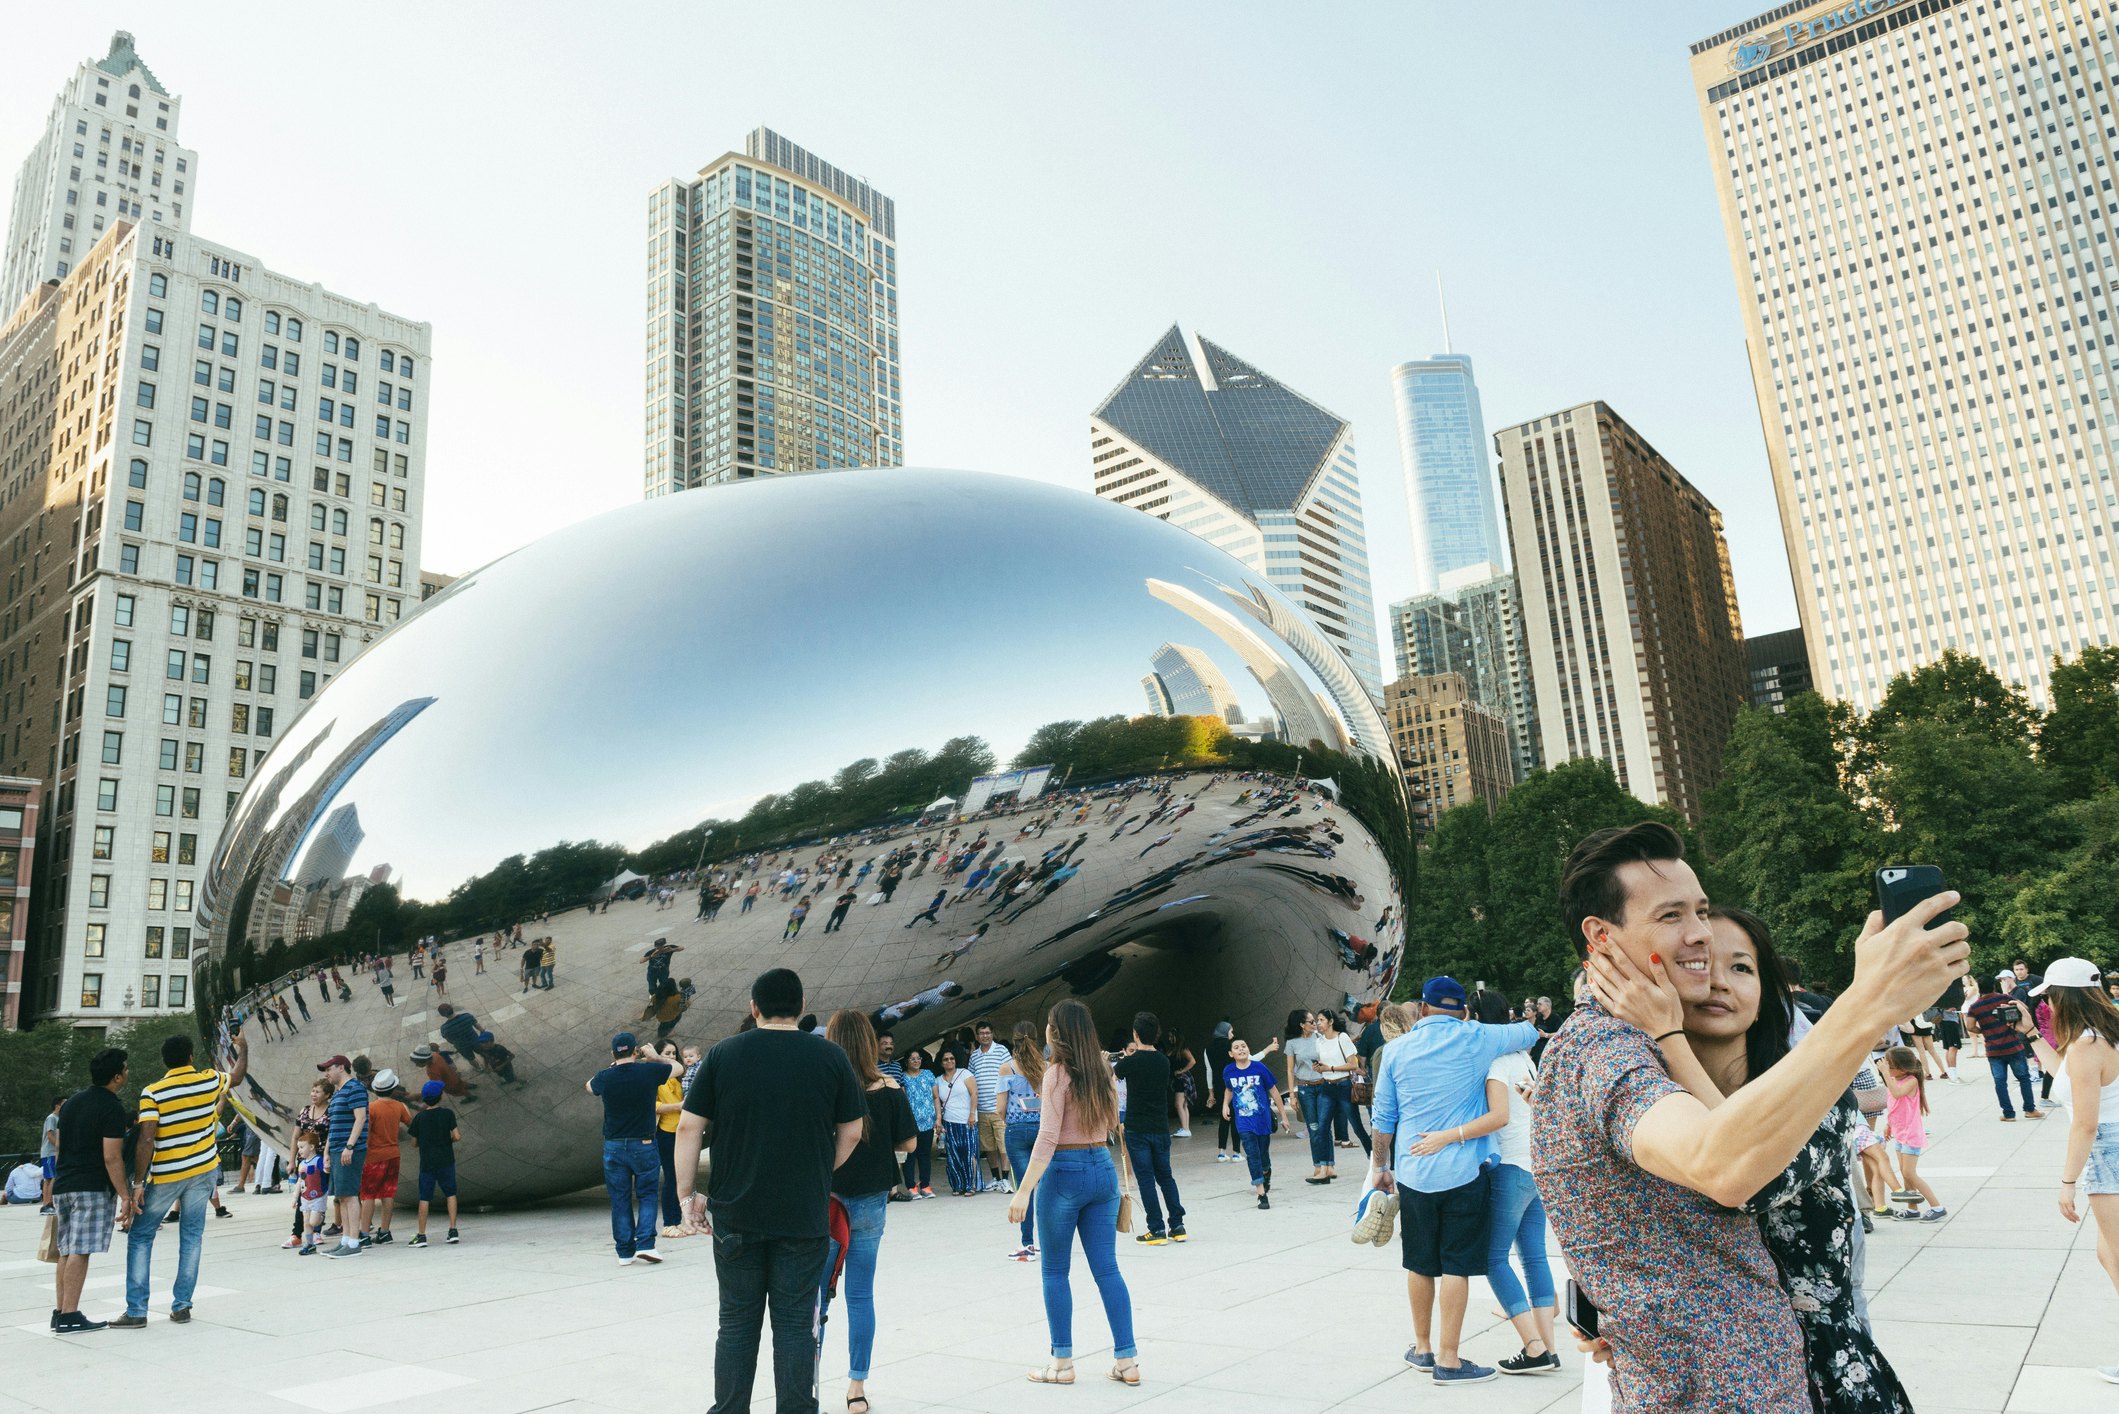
(1070, 179)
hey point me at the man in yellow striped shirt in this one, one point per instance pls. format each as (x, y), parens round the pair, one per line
(175, 1165)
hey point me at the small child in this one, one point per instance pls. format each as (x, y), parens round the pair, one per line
(309, 1191)
(1251, 1099)
(1905, 1123)
(434, 1130)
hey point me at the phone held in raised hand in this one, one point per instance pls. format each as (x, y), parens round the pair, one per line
(1900, 886)
(1581, 1312)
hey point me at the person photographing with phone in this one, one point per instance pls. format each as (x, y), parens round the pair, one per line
(1691, 1301)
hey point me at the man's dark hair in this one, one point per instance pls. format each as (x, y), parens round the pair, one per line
(983, 1025)
(446, 1009)
(176, 1051)
(1147, 1027)
(777, 994)
(106, 1066)
(1790, 969)
(1589, 882)
(2019, 962)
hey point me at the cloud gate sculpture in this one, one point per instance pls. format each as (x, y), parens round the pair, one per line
(948, 699)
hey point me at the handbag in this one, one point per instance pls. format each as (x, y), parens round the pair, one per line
(1125, 1184)
(1363, 1094)
(48, 1240)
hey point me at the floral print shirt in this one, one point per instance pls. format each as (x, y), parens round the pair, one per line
(1689, 1297)
(1807, 1216)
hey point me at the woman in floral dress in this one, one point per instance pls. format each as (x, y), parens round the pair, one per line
(1807, 1214)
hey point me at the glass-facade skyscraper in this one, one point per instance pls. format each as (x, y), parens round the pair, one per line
(1448, 486)
(772, 320)
(1212, 445)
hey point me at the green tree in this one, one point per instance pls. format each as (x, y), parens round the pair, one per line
(1536, 825)
(1449, 919)
(1786, 841)
(2079, 739)
(2073, 910)
(1956, 691)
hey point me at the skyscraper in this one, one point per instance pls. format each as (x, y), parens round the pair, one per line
(109, 153)
(1185, 683)
(1198, 437)
(1779, 668)
(1448, 482)
(1473, 626)
(1629, 609)
(772, 324)
(1452, 748)
(1918, 201)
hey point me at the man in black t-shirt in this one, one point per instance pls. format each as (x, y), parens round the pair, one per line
(89, 1192)
(782, 1110)
(1146, 1073)
(631, 1170)
(434, 1130)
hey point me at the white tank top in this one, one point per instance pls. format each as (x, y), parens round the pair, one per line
(2107, 1098)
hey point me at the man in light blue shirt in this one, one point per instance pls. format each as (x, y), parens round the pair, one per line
(1432, 1125)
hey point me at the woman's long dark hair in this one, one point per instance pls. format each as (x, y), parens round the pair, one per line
(2080, 1009)
(1767, 1040)
(852, 1032)
(1076, 1050)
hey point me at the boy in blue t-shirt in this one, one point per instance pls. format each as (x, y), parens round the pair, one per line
(1252, 1100)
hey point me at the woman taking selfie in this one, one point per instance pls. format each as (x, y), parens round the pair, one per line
(2085, 1075)
(1732, 1036)
(1077, 1107)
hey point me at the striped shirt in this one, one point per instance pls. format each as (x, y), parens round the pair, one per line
(181, 1105)
(986, 1069)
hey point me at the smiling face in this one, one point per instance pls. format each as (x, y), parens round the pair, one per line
(1729, 1004)
(1665, 917)
(1239, 1053)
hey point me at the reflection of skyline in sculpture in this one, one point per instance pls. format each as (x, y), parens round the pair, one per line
(1188, 684)
(1192, 896)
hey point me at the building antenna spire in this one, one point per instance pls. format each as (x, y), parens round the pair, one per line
(1442, 300)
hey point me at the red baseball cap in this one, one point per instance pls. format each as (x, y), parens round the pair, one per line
(340, 1061)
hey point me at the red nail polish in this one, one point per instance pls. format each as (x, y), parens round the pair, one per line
(1656, 958)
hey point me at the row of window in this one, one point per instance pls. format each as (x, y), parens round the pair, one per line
(150, 986)
(169, 800)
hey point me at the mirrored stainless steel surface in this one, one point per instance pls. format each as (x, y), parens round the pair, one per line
(787, 671)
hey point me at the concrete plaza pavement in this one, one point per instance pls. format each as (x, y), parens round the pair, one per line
(2002, 1309)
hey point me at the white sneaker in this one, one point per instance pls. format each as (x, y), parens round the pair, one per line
(1180, 1134)
(2108, 1373)
(650, 1256)
(625, 1261)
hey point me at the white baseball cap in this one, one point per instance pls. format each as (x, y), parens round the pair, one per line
(2070, 972)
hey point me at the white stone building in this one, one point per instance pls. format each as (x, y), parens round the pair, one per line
(109, 153)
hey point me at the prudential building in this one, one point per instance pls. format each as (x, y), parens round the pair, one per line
(1918, 197)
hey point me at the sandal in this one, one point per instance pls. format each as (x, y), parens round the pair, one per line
(1127, 1372)
(853, 1399)
(1053, 1374)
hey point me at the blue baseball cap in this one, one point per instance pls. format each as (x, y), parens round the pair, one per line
(1445, 992)
(431, 1091)
(623, 1042)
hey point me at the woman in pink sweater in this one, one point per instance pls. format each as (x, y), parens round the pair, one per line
(1077, 1108)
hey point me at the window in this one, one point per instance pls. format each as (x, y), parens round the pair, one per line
(177, 983)
(190, 803)
(172, 709)
(98, 897)
(165, 800)
(143, 434)
(238, 758)
(210, 302)
(103, 840)
(157, 895)
(158, 285)
(150, 991)
(168, 759)
(272, 321)
(352, 349)
(196, 717)
(183, 899)
(114, 701)
(114, 747)
(92, 982)
(294, 330)
(121, 654)
(268, 682)
(124, 611)
(154, 937)
(135, 515)
(187, 849)
(308, 685)
(145, 396)
(128, 559)
(201, 668)
(154, 320)
(150, 357)
(106, 794)
(264, 715)
(158, 852)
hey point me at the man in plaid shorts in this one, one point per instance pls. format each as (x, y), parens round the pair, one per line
(89, 1191)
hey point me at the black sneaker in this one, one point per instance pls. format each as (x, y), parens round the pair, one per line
(73, 1322)
(1177, 1234)
(1264, 1202)
(419, 1239)
(1525, 1363)
(452, 1237)
(384, 1237)
(126, 1323)
(1151, 1239)
(56, 1314)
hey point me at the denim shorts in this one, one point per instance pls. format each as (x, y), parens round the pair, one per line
(2101, 1173)
(1900, 1146)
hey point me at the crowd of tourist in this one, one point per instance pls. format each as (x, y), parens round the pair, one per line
(1742, 1132)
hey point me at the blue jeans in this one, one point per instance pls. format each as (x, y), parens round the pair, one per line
(630, 1173)
(1258, 1153)
(864, 1223)
(2003, 1068)
(1081, 1195)
(1321, 1105)
(190, 1197)
(754, 1273)
(1021, 1139)
(1516, 1218)
(1150, 1157)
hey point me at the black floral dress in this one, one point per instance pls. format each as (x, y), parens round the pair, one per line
(1807, 1216)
